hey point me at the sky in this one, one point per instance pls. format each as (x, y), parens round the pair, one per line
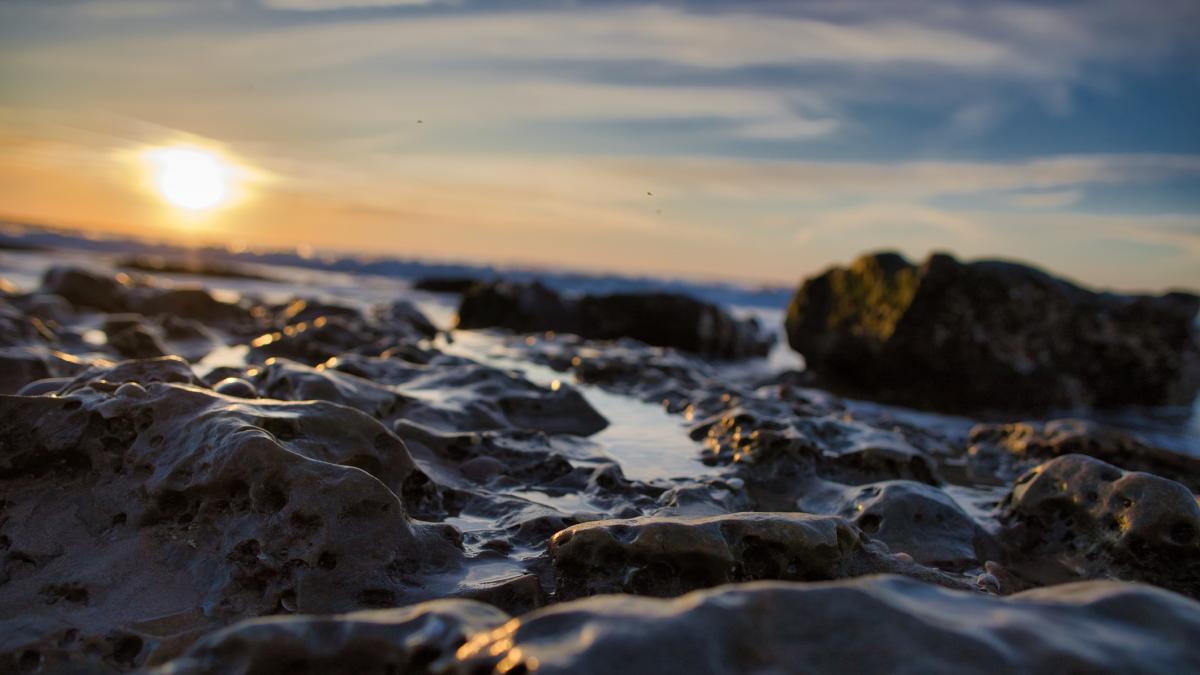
(749, 141)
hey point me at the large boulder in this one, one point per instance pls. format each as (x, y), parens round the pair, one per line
(991, 334)
(660, 319)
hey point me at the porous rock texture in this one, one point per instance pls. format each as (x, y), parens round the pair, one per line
(1076, 516)
(323, 455)
(992, 335)
(1005, 451)
(137, 516)
(670, 556)
(910, 517)
(410, 640)
(880, 624)
(661, 319)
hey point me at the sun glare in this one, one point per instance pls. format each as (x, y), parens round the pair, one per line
(191, 178)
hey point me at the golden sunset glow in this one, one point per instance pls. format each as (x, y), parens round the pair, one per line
(191, 178)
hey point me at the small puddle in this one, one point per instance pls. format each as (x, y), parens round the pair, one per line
(647, 442)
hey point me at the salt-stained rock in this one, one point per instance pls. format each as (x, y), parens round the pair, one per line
(671, 556)
(1094, 520)
(404, 640)
(136, 517)
(871, 625)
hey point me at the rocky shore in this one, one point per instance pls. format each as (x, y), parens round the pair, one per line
(281, 480)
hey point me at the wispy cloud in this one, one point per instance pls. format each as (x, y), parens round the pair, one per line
(774, 136)
(335, 5)
(1047, 200)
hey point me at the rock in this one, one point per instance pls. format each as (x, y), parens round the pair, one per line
(910, 517)
(290, 381)
(661, 319)
(235, 386)
(1007, 450)
(131, 338)
(670, 556)
(404, 640)
(142, 371)
(192, 303)
(191, 266)
(317, 341)
(445, 284)
(455, 394)
(1096, 521)
(992, 335)
(871, 625)
(135, 519)
(20, 366)
(88, 289)
(402, 316)
(303, 311)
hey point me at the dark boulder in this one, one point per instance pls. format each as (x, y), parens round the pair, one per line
(444, 284)
(991, 334)
(659, 319)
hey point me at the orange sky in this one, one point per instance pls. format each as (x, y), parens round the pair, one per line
(809, 136)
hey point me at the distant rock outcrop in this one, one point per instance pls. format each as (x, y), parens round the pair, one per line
(992, 335)
(659, 319)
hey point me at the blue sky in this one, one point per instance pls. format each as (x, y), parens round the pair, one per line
(776, 137)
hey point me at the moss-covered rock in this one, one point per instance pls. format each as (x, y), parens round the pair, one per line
(991, 334)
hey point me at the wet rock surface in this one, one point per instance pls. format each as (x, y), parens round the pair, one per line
(874, 625)
(406, 640)
(992, 335)
(1008, 450)
(178, 462)
(225, 510)
(665, 557)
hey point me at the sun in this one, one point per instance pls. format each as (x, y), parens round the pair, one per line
(191, 178)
